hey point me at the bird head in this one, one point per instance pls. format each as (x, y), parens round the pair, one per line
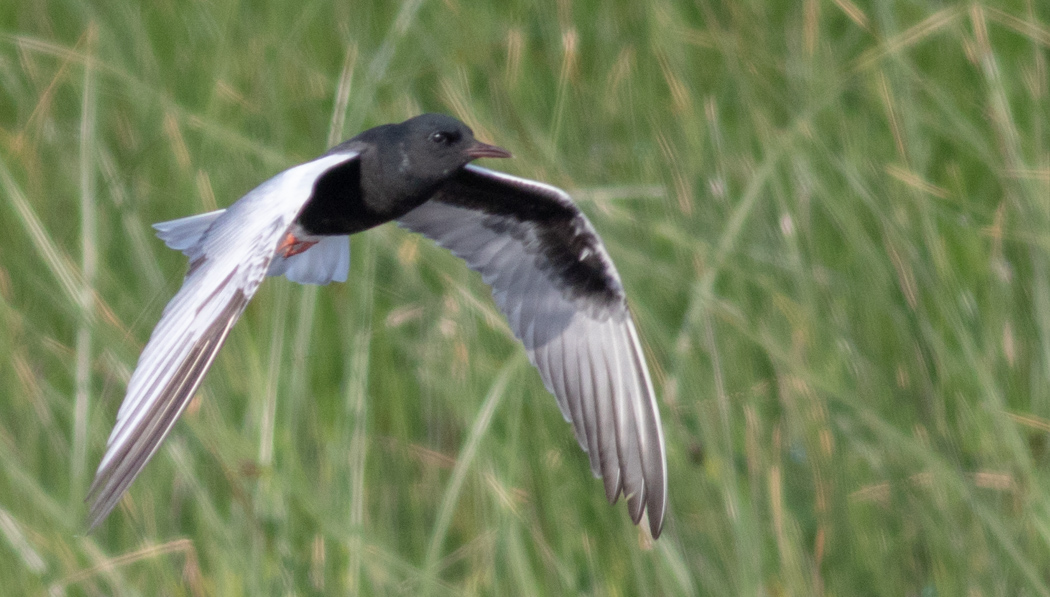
(436, 145)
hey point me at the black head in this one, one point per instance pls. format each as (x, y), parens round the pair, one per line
(400, 167)
(435, 145)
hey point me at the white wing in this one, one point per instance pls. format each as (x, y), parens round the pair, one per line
(230, 253)
(552, 278)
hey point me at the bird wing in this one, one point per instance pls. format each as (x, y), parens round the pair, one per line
(557, 286)
(228, 260)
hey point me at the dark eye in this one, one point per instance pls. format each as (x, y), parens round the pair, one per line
(444, 137)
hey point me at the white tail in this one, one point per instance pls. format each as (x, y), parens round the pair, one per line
(327, 261)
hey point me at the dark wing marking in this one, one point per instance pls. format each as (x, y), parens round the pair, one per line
(552, 278)
(228, 261)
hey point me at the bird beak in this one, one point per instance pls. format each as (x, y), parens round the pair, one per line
(484, 150)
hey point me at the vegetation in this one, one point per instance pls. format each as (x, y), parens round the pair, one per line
(832, 220)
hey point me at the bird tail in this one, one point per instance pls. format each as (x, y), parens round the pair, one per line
(327, 261)
(184, 234)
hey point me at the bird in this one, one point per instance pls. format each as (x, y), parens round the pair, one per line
(549, 272)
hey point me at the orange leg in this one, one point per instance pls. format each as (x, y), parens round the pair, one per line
(291, 246)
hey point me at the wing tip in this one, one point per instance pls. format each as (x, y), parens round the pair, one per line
(93, 520)
(100, 504)
(656, 525)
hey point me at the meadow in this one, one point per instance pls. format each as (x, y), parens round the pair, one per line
(832, 220)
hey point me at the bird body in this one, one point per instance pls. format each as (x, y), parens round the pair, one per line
(548, 269)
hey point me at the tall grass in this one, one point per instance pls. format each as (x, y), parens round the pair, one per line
(832, 220)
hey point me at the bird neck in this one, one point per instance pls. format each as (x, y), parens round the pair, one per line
(388, 186)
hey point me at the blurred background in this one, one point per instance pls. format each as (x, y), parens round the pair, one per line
(832, 219)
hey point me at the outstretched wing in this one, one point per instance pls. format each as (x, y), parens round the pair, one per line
(552, 278)
(228, 260)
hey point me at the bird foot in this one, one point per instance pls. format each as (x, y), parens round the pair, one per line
(291, 246)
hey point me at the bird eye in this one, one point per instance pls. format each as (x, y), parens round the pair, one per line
(444, 138)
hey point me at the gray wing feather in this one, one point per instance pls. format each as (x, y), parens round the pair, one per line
(230, 252)
(582, 342)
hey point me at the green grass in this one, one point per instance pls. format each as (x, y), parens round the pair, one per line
(832, 220)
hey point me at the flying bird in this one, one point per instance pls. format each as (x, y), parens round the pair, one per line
(548, 269)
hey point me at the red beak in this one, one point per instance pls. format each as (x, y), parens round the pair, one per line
(484, 150)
